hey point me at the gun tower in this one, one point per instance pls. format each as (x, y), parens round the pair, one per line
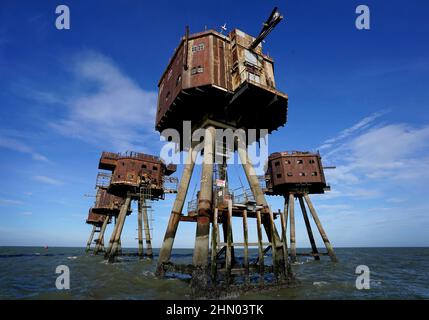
(293, 175)
(126, 177)
(219, 81)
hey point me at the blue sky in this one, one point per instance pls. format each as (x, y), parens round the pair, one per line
(360, 97)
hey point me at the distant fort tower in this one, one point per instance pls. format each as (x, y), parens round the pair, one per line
(106, 207)
(133, 176)
(219, 81)
(293, 175)
(98, 221)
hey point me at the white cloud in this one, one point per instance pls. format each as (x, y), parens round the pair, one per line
(390, 152)
(16, 145)
(365, 122)
(48, 180)
(10, 202)
(110, 109)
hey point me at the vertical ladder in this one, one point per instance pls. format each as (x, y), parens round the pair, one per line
(146, 201)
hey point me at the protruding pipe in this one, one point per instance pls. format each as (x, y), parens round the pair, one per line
(292, 227)
(309, 231)
(170, 233)
(321, 230)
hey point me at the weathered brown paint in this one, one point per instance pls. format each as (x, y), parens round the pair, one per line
(293, 171)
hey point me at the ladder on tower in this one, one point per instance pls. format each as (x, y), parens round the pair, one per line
(146, 200)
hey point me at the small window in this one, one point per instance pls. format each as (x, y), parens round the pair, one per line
(199, 47)
(123, 163)
(287, 161)
(144, 166)
(196, 70)
(314, 173)
(299, 161)
(155, 168)
(289, 174)
(279, 175)
(302, 174)
(179, 78)
(277, 163)
(119, 176)
(311, 161)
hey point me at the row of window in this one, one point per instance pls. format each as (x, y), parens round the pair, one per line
(199, 47)
(198, 69)
(301, 174)
(131, 177)
(144, 166)
(299, 161)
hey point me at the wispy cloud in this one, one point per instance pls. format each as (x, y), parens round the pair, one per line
(48, 180)
(391, 152)
(363, 123)
(10, 202)
(19, 146)
(108, 108)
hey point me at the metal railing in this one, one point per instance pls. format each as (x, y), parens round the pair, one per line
(103, 180)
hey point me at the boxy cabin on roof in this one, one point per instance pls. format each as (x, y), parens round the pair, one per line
(218, 77)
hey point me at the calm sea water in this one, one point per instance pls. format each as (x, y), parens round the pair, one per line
(29, 273)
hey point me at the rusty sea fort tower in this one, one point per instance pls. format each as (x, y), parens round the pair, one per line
(126, 177)
(219, 81)
(216, 81)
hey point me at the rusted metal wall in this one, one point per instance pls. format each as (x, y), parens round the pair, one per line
(105, 200)
(94, 218)
(132, 168)
(295, 168)
(223, 63)
(131, 171)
